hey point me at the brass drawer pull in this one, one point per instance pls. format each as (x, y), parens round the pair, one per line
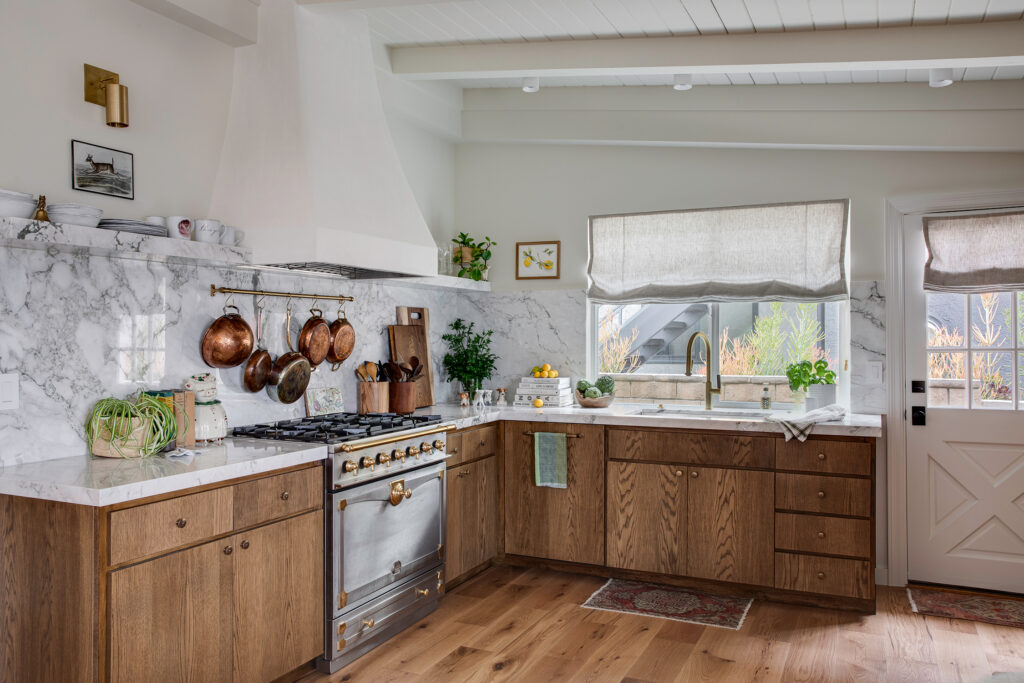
(245, 545)
(821, 456)
(423, 592)
(694, 473)
(821, 575)
(821, 534)
(679, 473)
(463, 473)
(454, 451)
(228, 550)
(285, 495)
(181, 523)
(821, 494)
(568, 436)
(368, 623)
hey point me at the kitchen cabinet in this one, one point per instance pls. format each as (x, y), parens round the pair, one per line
(730, 525)
(646, 510)
(471, 526)
(557, 524)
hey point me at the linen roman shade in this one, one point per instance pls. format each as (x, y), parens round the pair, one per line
(772, 252)
(979, 253)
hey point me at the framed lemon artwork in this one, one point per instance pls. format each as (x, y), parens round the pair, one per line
(538, 260)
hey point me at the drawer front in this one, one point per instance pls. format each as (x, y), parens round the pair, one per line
(262, 500)
(454, 449)
(474, 444)
(828, 495)
(691, 448)
(819, 534)
(825, 575)
(819, 455)
(149, 529)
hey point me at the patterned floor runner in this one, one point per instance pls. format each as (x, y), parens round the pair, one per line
(991, 609)
(670, 602)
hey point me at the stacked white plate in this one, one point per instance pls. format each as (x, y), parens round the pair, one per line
(75, 214)
(139, 227)
(16, 204)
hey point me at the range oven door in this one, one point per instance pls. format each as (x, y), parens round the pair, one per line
(384, 532)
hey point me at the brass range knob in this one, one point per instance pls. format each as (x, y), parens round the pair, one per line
(367, 461)
(426, 447)
(412, 450)
(439, 444)
(398, 454)
(384, 459)
(351, 466)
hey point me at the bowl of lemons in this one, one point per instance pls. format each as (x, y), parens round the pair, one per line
(598, 394)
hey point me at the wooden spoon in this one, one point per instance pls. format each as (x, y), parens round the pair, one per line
(371, 372)
(361, 373)
(395, 373)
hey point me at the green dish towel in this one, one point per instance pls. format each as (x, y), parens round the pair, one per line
(549, 461)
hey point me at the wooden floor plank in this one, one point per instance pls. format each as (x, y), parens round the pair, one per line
(514, 624)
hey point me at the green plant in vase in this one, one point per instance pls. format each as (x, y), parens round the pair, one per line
(469, 359)
(472, 256)
(804, 374)
(130, 428)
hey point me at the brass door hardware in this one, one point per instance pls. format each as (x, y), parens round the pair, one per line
(399, 492)
(285, 495)
(368, 623)
(342, 599)
(181, 523)
(463, 473)
(694, 473)
(568, 436)
(341, 628)
(244, 545)
(423, 592)
(228, 550)
(440, 551)
(341, 644)
(342, 504)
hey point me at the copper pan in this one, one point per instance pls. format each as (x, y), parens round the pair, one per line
(289, 377)
(228, 341)
(343, 340)
(315, 338)
(259, 365)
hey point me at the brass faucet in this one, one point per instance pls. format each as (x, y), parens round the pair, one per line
(708, 389)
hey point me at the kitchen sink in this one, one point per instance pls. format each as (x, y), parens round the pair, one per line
(700, 412)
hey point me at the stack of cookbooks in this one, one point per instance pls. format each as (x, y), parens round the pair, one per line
(556, 392)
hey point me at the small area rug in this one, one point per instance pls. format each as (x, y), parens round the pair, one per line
(670, 602)
(991, 609)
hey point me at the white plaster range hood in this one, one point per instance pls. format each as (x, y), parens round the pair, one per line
(308, 168)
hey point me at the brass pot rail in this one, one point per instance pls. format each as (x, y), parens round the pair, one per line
(349, 447)
(568, 436)
(214, 290)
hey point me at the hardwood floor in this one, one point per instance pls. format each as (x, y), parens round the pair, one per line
(512, 624)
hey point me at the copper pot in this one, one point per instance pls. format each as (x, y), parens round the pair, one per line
(228, 341)
(289, 377)
(343, 340)
(315, 338)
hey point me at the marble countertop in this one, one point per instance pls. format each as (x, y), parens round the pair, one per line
(624, 414)
(86, 480)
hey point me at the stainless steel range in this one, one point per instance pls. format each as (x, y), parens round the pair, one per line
(384, 527)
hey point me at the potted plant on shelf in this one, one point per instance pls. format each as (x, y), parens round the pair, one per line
(134, 428)
(472, 256)
(813, 381)
(469, 359)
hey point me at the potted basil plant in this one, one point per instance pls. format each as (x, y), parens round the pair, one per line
(814, 381)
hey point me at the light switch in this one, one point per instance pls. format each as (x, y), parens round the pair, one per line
(9, 392)
(874, 372)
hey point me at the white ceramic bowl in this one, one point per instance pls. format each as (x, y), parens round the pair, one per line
(75, 214)
(16, 204)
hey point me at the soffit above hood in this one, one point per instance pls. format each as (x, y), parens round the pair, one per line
(309, 170)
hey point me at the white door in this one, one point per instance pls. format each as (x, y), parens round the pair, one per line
(965, 465)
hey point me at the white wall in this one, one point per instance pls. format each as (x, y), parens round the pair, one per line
(525, 192)
(428, 162)
(179, 84)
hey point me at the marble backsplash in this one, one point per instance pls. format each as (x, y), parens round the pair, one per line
(77, 327)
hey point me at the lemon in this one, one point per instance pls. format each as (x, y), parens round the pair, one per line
(527, 261)
(553, 373)
(545, 373)
(538, 403)
(546, 366)
(548, 265)
(537, 374)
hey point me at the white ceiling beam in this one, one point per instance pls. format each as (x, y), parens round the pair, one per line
(918, 47)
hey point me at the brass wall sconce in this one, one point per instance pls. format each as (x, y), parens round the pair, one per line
(103, 88)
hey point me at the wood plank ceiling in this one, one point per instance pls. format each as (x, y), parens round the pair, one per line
(491, 21)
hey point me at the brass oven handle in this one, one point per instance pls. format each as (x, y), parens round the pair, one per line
(423, 592)
(368, 623)
(399, 492)
(349, 447)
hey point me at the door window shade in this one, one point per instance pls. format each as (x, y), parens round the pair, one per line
(975, 254)
(777, 252)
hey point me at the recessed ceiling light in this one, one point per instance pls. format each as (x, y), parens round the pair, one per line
(940, 78)
(531, 84)
(682, 82)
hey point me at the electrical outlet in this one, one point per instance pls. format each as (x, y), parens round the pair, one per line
(874, 372)
(9, 392)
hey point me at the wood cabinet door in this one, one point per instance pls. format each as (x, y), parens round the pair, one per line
(647, 517)
(558, 524)
(730, 525)
(278, 597)
(170, 618)
(471, 525)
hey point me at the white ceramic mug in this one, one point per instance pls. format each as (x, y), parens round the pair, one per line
(208, 230)
(239, 237)
(179, 227)
(227, 235)
(156, 220)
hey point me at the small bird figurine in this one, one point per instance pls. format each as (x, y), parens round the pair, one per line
(40, 214)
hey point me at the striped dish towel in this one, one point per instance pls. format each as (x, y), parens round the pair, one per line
(801, 426)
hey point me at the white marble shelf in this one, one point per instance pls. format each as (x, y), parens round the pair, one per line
(65, 237)
(87, 480)
(438, 282)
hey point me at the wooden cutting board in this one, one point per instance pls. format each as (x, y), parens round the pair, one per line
(408, 341)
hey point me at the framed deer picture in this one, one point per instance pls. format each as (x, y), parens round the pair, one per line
(102, 170)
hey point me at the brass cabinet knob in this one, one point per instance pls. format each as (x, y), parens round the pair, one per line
(821, 575)
(426, 447)
(821, 534)
(367, 461)
(285, 495)
(228, 550)
(368, 623)
(694, 473)
(463, 473)
(398, 454)
(245, 545)
(351, 466)
(821, 494)
(181, 523)
(439, 445)
(821, 456)
(383, 458)
(423, 592)
(679, 473)
(454, 451)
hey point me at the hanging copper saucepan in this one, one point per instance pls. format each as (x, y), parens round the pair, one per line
(259, 365)
(315, 338)
(228, 341)
(289, 377)
(343, 340)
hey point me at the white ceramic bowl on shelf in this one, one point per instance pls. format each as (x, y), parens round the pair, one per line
(74, 214)
(16, 204)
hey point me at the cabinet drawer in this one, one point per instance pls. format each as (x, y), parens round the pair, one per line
(819, 455)
(819, 534)
(826, 575)
(829, 495)
(149, 529)
(691, 448)
(473, 444)
(262, 500)
(453, 448)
